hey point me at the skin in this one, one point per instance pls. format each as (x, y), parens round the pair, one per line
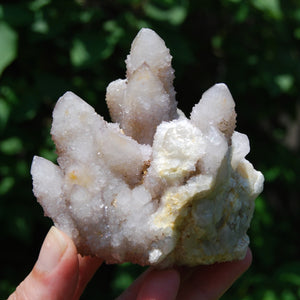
(61, 273)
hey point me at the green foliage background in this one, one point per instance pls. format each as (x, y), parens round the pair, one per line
(50, 46)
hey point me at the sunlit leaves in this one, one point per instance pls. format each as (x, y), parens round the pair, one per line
(40, 25)
(285, 82)
(37, 5)
(270, 7)
(79, 54)
(175, 15)
(89, 48)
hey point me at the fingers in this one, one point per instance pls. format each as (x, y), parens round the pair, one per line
(211, 282)
(133, 290)
(160, 285)
(154, 285)
(87, 268)
(59, 273)
(55, 273)
(200, 283)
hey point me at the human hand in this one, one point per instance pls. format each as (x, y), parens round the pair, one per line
(61, 273)
(205, 282)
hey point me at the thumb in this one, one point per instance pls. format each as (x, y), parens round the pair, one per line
(55, 273)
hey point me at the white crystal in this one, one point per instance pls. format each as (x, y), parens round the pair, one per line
(140, 103)
(215, 109)
(154, 187)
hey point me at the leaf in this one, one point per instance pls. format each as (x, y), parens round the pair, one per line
(79, 54)
(8, 46)
(285, 82)
(6, 184)
(272, 174)
(175, 15)
(269, 295)
(90, 48)
(38, 4)
(4, 113)
(122, 281)
(289, 273)
(11, 146)
(270, 7)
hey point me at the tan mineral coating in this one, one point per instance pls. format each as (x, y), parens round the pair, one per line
(154, 187)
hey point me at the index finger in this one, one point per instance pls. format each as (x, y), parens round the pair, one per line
(87, 267)
(210, 282)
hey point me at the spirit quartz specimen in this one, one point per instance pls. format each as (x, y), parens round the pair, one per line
(154, 187)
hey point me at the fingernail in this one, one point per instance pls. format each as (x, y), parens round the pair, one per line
(53, 249)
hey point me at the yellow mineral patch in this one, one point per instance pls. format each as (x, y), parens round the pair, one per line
(114, 203)
(173, 211)
(82, 178)
(73, 176)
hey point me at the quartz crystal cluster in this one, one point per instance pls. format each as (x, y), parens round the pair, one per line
(154, 187)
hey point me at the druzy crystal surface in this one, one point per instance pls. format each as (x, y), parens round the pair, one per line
(154, 187)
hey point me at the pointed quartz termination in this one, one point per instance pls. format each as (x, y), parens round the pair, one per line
(155, 187)
(147, 97)
(216, 109)
(215, 116)
(76, 124)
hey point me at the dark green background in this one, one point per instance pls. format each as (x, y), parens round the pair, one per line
(50, 46)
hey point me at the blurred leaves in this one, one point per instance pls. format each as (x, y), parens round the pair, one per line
(50, 46)
(285, 82)
(90, 48)
(8, 45)
(269, 7)
(4, 113)
(124, 276)
(175, 15)
(11, 146)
